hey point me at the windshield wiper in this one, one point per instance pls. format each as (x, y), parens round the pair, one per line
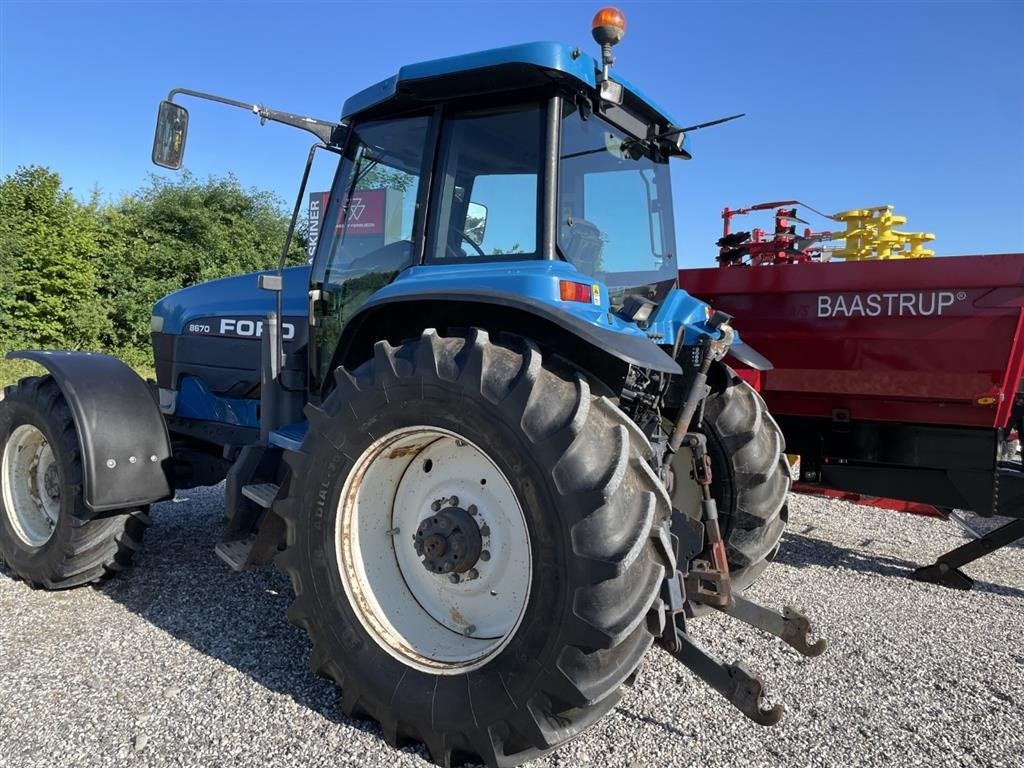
(674, 131)
(658, 139)
(652, 141)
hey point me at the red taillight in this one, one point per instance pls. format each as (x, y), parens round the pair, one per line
(570, 291)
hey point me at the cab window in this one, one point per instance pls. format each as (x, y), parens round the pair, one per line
(486, 204)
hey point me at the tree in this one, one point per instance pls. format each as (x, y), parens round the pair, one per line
(48, 256)
(172, 234)
(85, 275)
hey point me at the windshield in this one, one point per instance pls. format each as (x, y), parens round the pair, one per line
(615, 209)
(373, 207)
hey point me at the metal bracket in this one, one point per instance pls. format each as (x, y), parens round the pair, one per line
(743, 689)
(707, 585)
(790, 626)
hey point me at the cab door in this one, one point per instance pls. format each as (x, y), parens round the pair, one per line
(372, 229)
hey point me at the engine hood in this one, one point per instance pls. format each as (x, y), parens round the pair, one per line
(235, 296)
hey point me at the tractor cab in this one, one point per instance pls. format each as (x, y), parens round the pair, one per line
(504, 157)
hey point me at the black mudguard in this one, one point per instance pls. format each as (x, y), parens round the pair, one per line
(750, 357)
(125, 447)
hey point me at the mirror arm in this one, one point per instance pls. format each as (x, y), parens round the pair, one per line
(328, 132)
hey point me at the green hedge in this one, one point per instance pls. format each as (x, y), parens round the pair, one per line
(77, 275)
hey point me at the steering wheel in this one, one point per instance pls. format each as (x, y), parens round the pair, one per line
(474, 244)
(479, 251)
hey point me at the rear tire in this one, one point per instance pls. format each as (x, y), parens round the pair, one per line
(750, 473)
(43, 536)
(590, 503)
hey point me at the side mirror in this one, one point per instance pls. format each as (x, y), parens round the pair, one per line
(169, 140)
(476, 222)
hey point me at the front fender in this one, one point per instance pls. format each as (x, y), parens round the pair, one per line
(123, 437)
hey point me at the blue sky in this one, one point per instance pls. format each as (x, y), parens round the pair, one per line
(918, 104)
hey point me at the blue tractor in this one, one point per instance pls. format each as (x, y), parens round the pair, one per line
(496, 447)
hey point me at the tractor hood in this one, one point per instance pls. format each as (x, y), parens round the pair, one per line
(229, 298)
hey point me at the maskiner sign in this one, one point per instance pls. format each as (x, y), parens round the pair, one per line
(894, 304)
(376, 212)
(317, 208)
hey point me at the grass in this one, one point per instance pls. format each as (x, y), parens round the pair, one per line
(12, 370)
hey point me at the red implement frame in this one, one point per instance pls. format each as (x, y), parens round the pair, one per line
(936, 341)
(896, 379)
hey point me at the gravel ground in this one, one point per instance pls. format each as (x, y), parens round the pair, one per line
(182, 662)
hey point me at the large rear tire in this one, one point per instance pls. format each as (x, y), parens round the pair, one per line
(44, 536)
(560, 475)
(750, 473)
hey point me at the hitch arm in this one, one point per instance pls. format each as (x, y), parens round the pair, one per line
(790, 626)
(743, 689)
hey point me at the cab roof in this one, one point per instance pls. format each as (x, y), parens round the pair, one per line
(551, 61)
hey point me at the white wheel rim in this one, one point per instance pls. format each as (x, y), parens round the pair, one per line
(402, 481)
(31, 485)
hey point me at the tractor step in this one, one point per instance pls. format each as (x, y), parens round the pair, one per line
(235, 552)
(261, 493)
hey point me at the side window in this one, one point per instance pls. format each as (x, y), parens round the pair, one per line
(502, 214)
(487, 190)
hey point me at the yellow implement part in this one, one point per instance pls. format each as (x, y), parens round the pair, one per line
(870, 234)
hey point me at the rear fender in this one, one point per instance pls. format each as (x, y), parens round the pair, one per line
(605, 352)
(123, 437)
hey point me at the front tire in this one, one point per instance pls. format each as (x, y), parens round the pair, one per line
(44, 536)
(579, 485)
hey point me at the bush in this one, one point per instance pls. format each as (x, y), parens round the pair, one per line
(85, 276)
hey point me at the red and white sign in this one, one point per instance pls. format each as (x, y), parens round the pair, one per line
(363, 212)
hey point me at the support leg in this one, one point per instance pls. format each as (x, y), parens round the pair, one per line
(946, 570)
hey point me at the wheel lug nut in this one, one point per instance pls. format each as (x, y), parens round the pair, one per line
(472, 509)
(485, 555)
(454, 578)
(469, 630)
(485, 530)
(472, 573)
